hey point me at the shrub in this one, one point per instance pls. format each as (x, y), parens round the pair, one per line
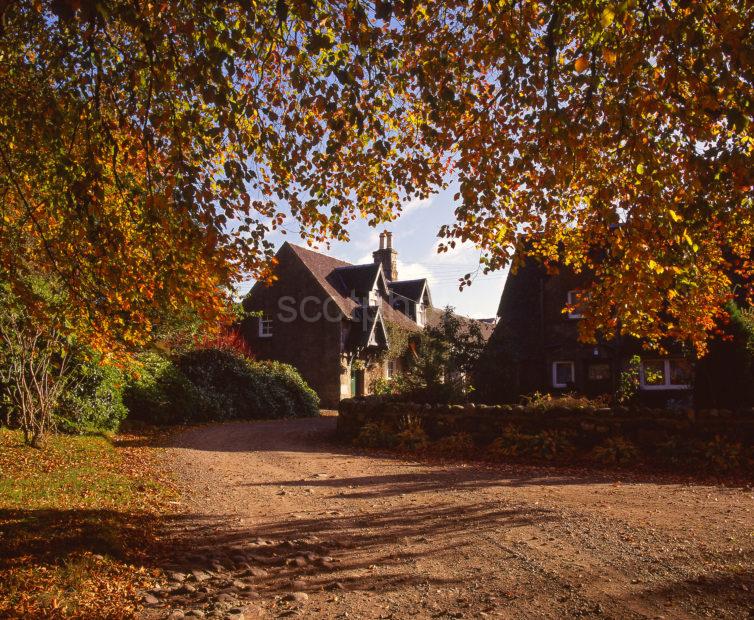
(301, 400)
(511, 444)
(628, 383)
(411, 435)
(547, 445)
(550, 445)
(458, 444)
(615, 451)
(159, 393)
(721, 455)
(376, 435)
(548, 402)
(246, 390)
(94, 401)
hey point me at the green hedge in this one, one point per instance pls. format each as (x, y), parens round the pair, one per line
(244, 389)
(719, 439)
(159, 393)
(95, 400)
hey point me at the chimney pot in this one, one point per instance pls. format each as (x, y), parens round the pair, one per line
(389, 236)
(382, 241)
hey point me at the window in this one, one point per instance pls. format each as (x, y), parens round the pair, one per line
(598, 372)
(668, 374)
(573, 299)
(562, 374)
(390, 369)
(421, 314)
(265, 327)
(374, 297)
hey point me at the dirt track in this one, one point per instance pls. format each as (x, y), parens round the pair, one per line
(362, 536)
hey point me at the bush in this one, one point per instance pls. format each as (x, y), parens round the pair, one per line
(457, 445)
(548, 402)
(95, 400)
(615, 451)
(547, 445)
(159, 393)
(300, 400)
(722, 455)
(411, 435)
(376, 435)
(242, 389)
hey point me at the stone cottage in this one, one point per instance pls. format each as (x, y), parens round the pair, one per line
(535, 346)
(336, 322)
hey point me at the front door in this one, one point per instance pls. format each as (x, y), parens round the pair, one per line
(357, 382)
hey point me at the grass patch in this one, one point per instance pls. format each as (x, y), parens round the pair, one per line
(77, 525)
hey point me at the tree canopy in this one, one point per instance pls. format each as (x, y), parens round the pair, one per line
(147, 148)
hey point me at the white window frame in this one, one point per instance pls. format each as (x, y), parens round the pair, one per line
(390, 368)
(666, 371)
(374, 297)
(573, 302)
(265, 327)
(555, 373)
(421, 314)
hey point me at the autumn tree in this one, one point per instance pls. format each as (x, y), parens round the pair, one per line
(146, 149)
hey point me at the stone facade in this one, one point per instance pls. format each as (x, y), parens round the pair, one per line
(327, 318)
(536, 343)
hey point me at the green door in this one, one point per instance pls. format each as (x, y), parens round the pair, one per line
(353, 382)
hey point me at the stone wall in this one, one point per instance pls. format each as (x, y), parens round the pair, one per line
(653, 431)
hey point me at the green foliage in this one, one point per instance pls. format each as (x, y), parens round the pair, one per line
(300, 400)
(399, 339)
(376, 435)
(411, 435)
(547, 402)
(725, 376)
(446, 354)
(615, 451)
(547, 445)
(243, 389)
(94, 401)
(629, 382)
(456, 445)
(159, 393)
(722, 455)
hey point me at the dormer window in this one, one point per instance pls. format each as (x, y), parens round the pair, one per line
(374, 297)
(265, 327)
(421, 314)
(573, 300)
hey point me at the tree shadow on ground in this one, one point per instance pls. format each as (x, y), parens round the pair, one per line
(719, 592)
(272, 558)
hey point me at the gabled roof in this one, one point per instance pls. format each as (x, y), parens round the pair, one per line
(371, 317)
(332, 273)
(434, 318)
(361, 278)
(411, 289)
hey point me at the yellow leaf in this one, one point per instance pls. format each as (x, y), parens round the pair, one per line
(674, 215)
(608, 14)
(609, 56)
(640, 168)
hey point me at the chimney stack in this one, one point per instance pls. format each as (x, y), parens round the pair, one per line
(387, 256)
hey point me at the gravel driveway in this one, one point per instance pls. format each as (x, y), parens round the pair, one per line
(282, 521)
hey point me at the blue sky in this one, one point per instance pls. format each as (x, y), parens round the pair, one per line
(415, 239)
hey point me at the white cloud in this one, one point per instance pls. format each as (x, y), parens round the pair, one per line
(417, 203)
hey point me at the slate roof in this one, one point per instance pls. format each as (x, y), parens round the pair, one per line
(411, 289)
(332, 274)
(357, 277)
(434, 316)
